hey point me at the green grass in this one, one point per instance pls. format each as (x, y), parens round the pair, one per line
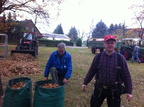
(82, 58)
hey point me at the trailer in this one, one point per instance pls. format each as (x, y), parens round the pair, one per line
(97, 43)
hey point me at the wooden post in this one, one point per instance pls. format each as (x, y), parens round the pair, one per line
(1, 88)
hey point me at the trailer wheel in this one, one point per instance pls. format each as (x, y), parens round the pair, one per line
(101, 49)
(93, 50)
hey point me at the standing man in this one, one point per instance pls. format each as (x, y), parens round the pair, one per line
(107, 76)
(59, 65)
(136, 53)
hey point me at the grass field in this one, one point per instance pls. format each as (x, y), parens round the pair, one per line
(82, 58)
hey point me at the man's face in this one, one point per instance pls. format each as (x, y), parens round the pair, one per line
(110, 45)
(61, 51)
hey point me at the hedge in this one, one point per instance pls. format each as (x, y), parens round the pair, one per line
(54, 43)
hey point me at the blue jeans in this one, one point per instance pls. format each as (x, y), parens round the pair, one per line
(135, 55)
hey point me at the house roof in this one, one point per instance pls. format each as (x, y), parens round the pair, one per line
(30, 24)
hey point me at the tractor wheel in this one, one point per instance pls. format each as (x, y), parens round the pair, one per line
(17, 48)
(101, 49)
(93, 50)
(141, 59)
(126, 55)
(36, 51)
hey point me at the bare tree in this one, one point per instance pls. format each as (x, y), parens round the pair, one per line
(38, 7)
(139, 17)
(91, 28)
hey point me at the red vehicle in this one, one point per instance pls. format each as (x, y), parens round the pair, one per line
(28, 44)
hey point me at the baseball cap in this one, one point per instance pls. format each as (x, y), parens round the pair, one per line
(108, 37)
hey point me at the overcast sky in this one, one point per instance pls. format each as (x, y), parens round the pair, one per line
(80, 13)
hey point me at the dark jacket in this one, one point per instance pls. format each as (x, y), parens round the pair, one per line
(107, 71)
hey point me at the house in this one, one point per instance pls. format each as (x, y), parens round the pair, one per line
(30, 27)
(56, 36)
(3, 25)
(135, 32)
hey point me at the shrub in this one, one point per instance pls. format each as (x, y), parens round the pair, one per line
(79, 42)
(54, 43)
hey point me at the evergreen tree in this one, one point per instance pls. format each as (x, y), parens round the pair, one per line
(9, 17)
(100, 30)
(58, 30)
(79, 42)
(73, 34)
(111, 29)
(116, 27)
(120, 26)
(4, 18)
(14, 30)
(3, 24)
(124, 29)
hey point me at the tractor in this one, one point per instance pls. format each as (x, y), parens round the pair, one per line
(128, 46)
(28, 44)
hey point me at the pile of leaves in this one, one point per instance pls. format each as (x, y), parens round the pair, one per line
(19, 64)
(18, 85)
(50, 85)
(22, 57)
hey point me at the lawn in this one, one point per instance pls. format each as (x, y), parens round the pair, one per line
(82, 58)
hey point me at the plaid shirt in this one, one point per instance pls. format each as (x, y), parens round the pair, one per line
(107, 71)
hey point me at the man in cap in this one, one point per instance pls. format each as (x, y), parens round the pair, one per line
(108, 81)
(59, 65)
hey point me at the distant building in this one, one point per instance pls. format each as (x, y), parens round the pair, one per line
(96, 39)
(56, 37)
(30, 27)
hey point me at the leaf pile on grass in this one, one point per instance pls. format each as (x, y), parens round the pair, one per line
(22, 57)
(19, 64)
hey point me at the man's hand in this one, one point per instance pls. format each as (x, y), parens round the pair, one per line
(65, 81)
(84, 87)
(129, 97)
(46, 78)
